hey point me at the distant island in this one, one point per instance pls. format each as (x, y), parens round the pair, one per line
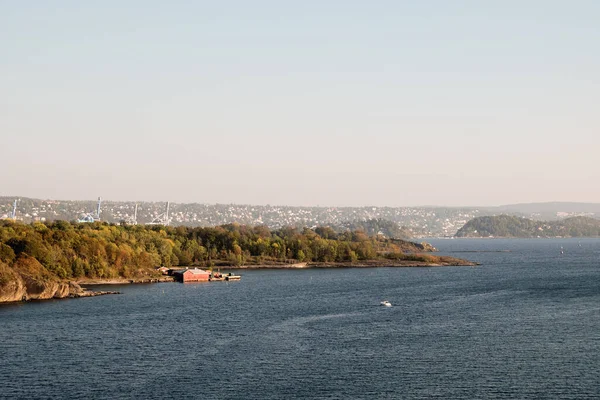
(506, 226)
(51, 260)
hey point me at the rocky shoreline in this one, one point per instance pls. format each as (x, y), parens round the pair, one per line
(441, 262)
(20, 291)
(123, 281)
(30, 281)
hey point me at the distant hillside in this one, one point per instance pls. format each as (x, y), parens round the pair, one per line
(392, 222)
(556, 206)
(376, 226)
(547, 211)
(510, 226)
(400, 222)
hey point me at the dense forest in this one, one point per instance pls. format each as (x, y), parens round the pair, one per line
(102, 250)
(509, 226)
(376, 226)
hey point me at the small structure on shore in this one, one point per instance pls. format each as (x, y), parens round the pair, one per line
(191, 275)
(163, 270)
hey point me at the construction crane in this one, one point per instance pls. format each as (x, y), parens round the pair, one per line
(162, 219)
(90, 217)
(130, 220)
(14, 211)
(98, 208)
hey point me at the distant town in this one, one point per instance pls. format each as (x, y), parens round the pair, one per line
(419, 221)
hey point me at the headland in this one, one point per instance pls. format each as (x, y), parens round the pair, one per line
(55, 260)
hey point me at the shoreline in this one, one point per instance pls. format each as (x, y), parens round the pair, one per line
(522, 237)
(87, 293)
(123, 281)
(313, 265)
(82, 287)
(362, 264)
(76, 292)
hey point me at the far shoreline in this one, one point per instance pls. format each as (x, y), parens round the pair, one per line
(358, 264)
(523, 237)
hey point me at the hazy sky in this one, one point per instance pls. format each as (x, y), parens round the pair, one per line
(335, 103)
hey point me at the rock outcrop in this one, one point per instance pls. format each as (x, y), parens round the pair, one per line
(39, 282)
(412, 247)
(29, 280)
(12, 287)
(428, 247)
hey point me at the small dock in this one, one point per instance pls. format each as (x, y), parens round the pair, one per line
(218, 276)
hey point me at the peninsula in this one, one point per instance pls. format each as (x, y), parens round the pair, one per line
(506, 226)
(47, 260)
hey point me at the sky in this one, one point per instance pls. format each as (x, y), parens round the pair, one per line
(331, 103)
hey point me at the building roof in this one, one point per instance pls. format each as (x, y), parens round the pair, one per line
(197, 271)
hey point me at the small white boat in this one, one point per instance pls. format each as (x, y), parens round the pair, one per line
(386, 303)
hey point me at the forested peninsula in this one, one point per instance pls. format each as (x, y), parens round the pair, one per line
(506, 226)
(47, 260)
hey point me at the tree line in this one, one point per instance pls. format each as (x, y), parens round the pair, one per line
(511, 226)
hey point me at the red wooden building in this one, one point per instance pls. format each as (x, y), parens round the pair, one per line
(192, 275)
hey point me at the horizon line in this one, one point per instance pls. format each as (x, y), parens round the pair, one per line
(104, 200)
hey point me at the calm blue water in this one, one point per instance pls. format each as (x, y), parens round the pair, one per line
(525, 324)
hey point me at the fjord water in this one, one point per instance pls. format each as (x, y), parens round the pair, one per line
(524, 324)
